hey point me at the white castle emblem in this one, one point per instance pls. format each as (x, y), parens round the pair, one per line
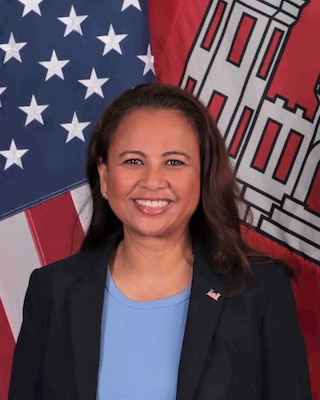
(275, 149)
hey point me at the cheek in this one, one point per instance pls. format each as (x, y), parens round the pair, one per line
(190, 189)
(119, 184)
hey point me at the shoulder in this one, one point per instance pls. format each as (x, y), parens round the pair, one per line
(70, 265)
(268, 278)
(269, 285)
(80, 266)
(264, 272)
(271, 292)
(268, 274)
(266, 269)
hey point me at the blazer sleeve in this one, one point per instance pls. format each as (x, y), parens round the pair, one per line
(285, 363)
(25, 380)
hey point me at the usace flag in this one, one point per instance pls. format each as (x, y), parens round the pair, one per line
(256, 65)
(61, 62)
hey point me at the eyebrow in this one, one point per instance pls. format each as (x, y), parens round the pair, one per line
(166, 154)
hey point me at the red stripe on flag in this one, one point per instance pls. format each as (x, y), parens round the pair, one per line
(6, 351)
(241, 39)
(240, 131)
(191, 83)
(55, 228)
(216, 104)
(213, 26)
(269, 137)
(288, 157)
(270, 53)
(313, 196)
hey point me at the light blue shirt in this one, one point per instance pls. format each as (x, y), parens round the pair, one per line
(140, 346)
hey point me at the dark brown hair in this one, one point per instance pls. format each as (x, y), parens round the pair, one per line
(217, 217)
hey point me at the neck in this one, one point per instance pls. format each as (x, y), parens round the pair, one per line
(149, 268)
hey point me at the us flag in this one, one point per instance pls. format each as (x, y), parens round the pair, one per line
(61, 62)
(255, 64)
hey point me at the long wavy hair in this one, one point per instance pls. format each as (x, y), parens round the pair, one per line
(217, 217)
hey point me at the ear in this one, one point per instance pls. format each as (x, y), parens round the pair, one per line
(103, 177)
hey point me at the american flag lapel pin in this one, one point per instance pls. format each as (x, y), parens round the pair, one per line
(213, 294)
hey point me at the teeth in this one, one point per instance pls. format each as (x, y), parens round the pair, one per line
(152, 204)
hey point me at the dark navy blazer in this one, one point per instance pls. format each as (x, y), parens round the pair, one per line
(247, 347)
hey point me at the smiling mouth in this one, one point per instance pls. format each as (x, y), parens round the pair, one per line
(152, 203)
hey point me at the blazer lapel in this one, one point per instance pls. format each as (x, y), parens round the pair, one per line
(202, 318)
(85, 308)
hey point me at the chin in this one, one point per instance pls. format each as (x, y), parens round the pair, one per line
(163, 233)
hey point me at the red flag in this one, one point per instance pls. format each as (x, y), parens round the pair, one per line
(256, 67)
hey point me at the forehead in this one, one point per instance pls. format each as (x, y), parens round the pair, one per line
(157, 125)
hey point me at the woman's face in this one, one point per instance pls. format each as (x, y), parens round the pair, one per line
(152, 176)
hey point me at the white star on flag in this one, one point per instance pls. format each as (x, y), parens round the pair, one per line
(31, 5)
(73, 22)
(127, 3)
(13, 155)
(148, 60)
(33, 111)
(111, 41)
(12, 49)
(2, 89)
(54, 66)
(93, 84)
(75, 128)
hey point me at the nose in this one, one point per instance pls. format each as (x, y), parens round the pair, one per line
(153, 178)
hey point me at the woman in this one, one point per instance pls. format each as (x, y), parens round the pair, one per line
(165, 300)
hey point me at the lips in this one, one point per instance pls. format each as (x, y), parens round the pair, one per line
(152, 203)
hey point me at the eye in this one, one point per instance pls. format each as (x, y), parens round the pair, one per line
(175, 163)
(133, 161)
